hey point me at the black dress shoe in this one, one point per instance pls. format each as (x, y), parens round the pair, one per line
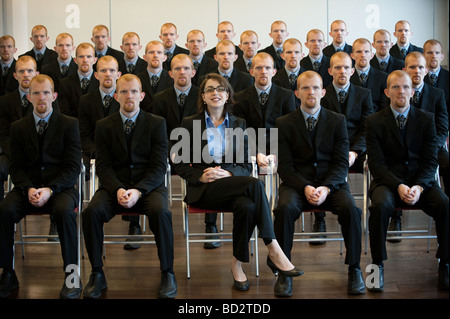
(214, 244)
(241, 285)
(53, 231)
(356, 285)
(443, 277)
(8, 282)
(168, 287)
(378, 287)
(133, 230)
(70, 293)
(294, 272)
(97, 283)
(318, 227)
(395, 225)
(283, 287)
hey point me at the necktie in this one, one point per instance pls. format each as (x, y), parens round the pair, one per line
(401, 121)
(339, 50)
(249, 65)
(263, 98)
(227, 77)
(64, 69)
(279, 51)
(129, 125)
(182, 97)
(131, 67)
(154, 80)
(169, 55)
(42, 125)
(99, 55)
(5, 71)
(107, 101)
(311, 122)
(39, 57)
(292, 79)
(403, 52)
(433, 79)
(342, 96)
(416, 97)
(196, 64)
(84, 85)
(24, 104)
(316, 66)
(383, 65)
(363, 78)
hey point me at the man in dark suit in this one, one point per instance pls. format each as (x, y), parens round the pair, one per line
(313, 134)
(64, 65)
(45, 163)
(202, 64)
(225, 31)
(355, 103)
(169, 36)
(131, 62)
(338, 32)
(131, 160)
(225, 57)
(383, 60)
(403, 46)
(316, 60)
(437, 76)
(155, 78)
(249, 45)
(278, 33)
(100, 38)
(40, 52)
(403, 161)
(80, 83)
(287, 77)
(7, 64)
(367, 76)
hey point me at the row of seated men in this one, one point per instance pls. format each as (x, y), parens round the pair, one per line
(259, 110)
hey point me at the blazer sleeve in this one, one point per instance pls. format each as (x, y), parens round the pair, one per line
(359, 142)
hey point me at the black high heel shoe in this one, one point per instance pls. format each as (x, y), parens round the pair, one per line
(240, 285)
(294, 272)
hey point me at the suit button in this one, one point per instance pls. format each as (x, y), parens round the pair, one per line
(315, 164)
(131, 166)
(406, 162)
(42, 168)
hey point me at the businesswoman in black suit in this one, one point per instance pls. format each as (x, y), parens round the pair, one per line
(220, 180)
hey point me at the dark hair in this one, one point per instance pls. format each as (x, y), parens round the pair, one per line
(201, 106)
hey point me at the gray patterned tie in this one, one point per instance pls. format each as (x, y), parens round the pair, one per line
(169, 55)
(433, 79)
(84, 85)
(64, 69)
(342, 96)
(401, 121)
(263, 98)
(154, 80)
(311, 122)
(196, 65)
(131, 67)
(182, 97)
(363, 78)
(5, 71)
(39, 57)
(403, 52)
(316, 66)
(292, 79)
(416, 97)
(383, 65)
(129, 125)
(42, 125)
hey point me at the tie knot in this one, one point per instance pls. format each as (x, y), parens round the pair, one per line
(316, 65)
(342, 96)
(129, 125)
(311, 123)
(433, 79)
(84, 83)
(292, 78)
(383, 65)
(131, 67)
(196, 65)
(24, 100)
(363, 78)
(401, 121)
(5, 70)
(42, 125)
(169, 55)
(64, 69)
(263, 98)
(107, 100)
(154, 80)
(403, 51)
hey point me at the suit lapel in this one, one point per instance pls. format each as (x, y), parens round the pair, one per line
(331, 92)
(302, 127)
(31, 126)
(139, 129)
(254, 98)
(118, 128)
(411, 126)
(321, 127)
(392, 124)
(51, 130)
(350, 100)
(18, 105)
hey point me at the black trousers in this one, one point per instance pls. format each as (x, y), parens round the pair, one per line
(246, 198)
(103, 207)
(3, 174)
(339, 202)
(61, 205)
(432, 201)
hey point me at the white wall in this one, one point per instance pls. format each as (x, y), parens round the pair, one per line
(429, 19)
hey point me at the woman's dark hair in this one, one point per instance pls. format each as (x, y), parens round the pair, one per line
(201, 106)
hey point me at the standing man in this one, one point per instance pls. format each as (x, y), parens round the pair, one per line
(202, 64)
(249, 46)
(7, 64)
(316, 60)
(403, 46)
(225, 31)
(383, 60)
(131, 159)
(402, 151)
(80, 83)
(339, 33)
(40, 52)
(278, 33)
(45, 163)
(310, 135)
(101, 39)
(155, 78)
(169, 36)
(131, 62)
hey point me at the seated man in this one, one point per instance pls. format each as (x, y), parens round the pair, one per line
(313, 166)
(131, 161)
(402, 151)
(45, 162)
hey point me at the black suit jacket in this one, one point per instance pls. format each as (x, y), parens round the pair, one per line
(395, 51)
(393, 161)
(241, 65)
(238, 80)
(376, 83)
(323, 162)
(207, 65)
(329, 49)
(193, 170)
(141, 65)
(49, 55)
(442, 83)
(211, 52)
(306, 64)
(165, 82)
(53, 70)
(8, 83)
(118, 55)
(60, 163)
(281, 78)
(91, 110)
(393, 64)
(70, 93)
(177, 50)
(281, 101)
(145, 167)
(359, 107)
(279, 62)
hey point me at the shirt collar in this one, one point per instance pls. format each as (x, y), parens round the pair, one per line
(37, 118)
(124, 118)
